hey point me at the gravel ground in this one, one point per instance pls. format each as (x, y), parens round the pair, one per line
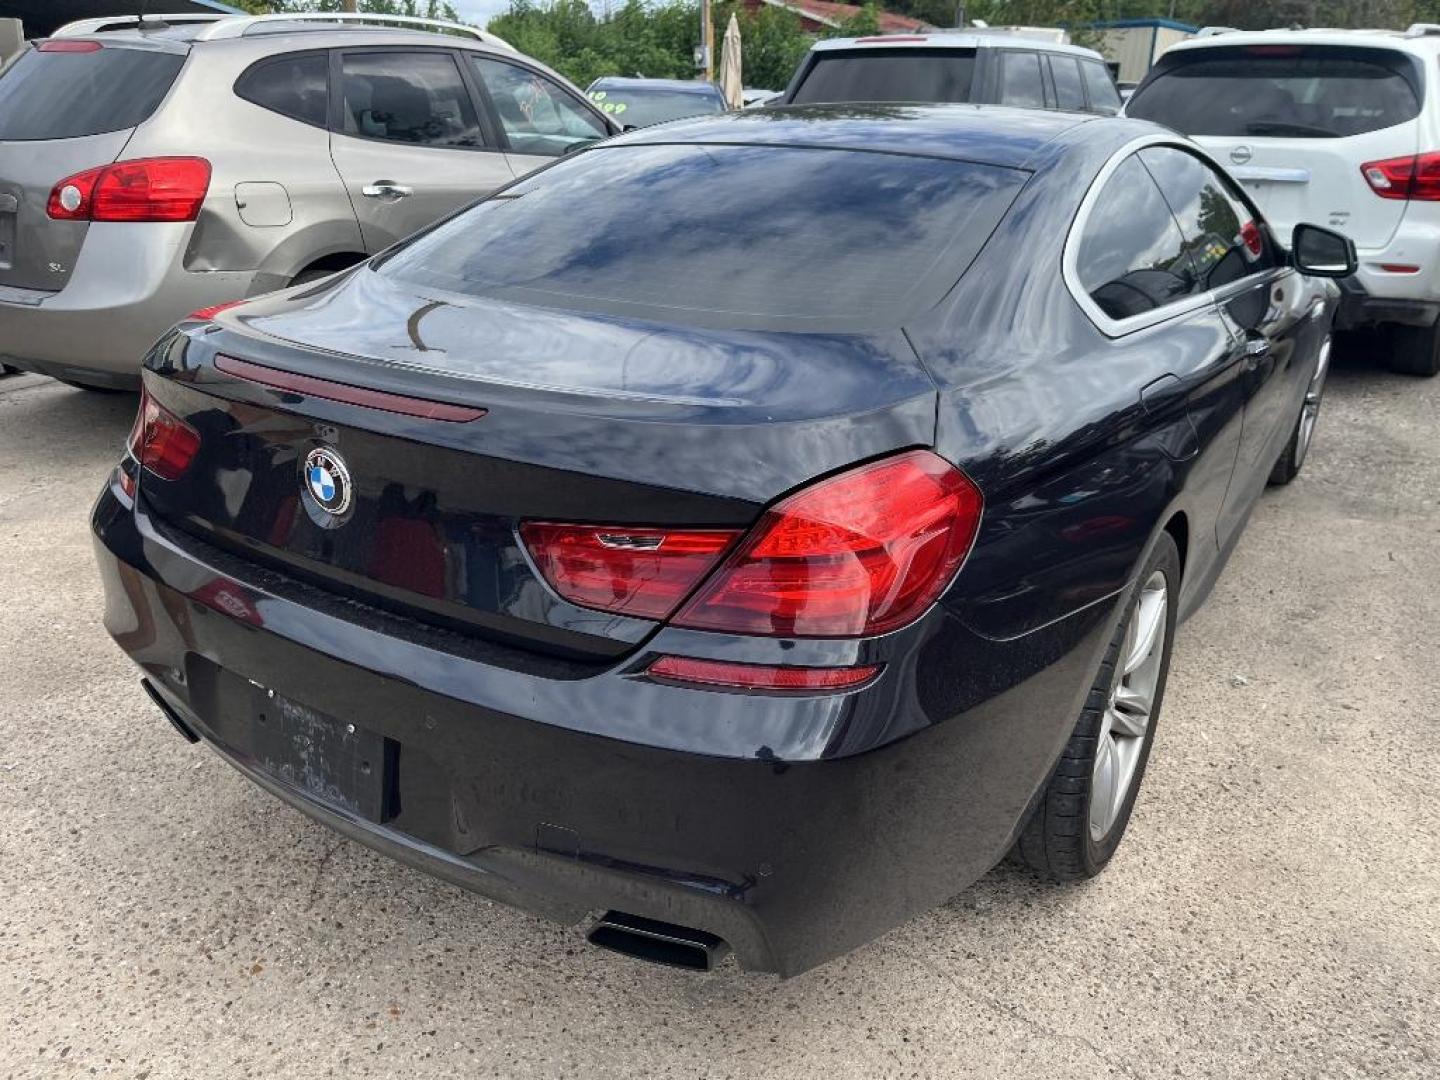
(1275, 910)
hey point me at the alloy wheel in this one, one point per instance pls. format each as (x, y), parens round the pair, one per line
(1311, 409)
(1127, 716)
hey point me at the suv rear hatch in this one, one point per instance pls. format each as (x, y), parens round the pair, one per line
(1294, 124)
(884, 74)
(67, 105)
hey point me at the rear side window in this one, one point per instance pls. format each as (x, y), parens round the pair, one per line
(1069, 90)
(66, 95)
(1223, 238)
(1020, 83)
(761, 237)
(408, 97)
(297, 86)
(1104, 97)
(931, 75)
(1309, 92)
(1132, 258)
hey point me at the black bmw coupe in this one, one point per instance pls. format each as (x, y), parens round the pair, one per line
(737, 535)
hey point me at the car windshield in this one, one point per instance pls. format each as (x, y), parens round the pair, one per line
(641, 106)
(898, 74)
(87, 89)
(1282, 91)
(751, 236)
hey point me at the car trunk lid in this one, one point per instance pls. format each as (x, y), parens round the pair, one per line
(586, 419)
(66, 106)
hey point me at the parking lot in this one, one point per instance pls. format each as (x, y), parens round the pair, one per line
(1273, 912)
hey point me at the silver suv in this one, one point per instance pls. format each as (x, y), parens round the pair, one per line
(151, 171)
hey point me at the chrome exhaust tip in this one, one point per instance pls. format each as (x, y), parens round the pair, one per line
(658, 942)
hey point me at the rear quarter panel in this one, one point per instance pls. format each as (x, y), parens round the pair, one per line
(1046, 414)
(249, 145)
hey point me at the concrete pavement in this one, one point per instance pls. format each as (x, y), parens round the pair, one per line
(1275, 911)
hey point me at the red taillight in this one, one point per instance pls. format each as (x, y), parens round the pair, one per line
(640, 572)
(148, 189)
(161, 441)
(1415, 177)
(759, 677)
(858, 554)
(1253, 241)
(67, 45)
(205, 314)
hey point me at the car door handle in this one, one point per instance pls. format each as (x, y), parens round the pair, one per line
(386, 189)
(1255, 349)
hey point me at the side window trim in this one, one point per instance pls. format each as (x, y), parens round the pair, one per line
(496, 141)
(1185, 305)
(337, 95)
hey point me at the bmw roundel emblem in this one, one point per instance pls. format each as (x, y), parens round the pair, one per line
(327, 480)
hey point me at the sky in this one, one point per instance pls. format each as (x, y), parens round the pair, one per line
(480, 11)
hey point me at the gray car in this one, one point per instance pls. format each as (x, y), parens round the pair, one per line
(152, 171)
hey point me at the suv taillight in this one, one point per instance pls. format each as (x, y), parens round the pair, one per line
(160, 441)
(147, 189)
(1413, 177)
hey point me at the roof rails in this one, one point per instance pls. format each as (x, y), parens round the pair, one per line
(1216, 31)
(82, 27)
(236, 26)
(1423, 29)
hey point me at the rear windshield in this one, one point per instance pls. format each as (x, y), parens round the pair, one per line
(1279, 90)
(64, 95)
(641, 107)
(762, 237)
(940, 75)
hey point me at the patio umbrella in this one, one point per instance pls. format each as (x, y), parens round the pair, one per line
(730, 82)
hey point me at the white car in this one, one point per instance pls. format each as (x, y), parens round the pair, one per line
(1339, 127)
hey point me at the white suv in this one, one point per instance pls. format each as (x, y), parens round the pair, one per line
(1340, 127)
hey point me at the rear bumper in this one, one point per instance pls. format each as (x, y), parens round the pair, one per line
(128, 288)
(794, 851)
(1360, 308)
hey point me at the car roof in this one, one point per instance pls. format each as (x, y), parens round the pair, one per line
(952, 40)
(990, 134)
(686, 86)
(1420, 43)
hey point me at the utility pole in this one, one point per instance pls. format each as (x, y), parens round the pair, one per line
(707, 40)
(349, 5)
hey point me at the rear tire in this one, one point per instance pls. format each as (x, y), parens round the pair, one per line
(1081, 815)
(1414, 350)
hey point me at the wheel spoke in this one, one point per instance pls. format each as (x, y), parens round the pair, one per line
(1131, 712)
(1102, 787)
(1149, 624)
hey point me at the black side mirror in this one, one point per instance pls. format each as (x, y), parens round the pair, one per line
(1323, 252)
